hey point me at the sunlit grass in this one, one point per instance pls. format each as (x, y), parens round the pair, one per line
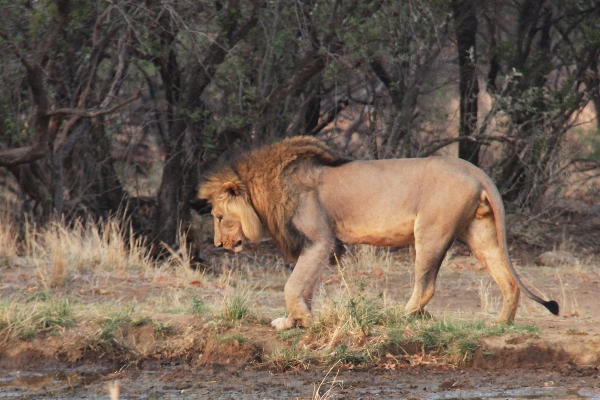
(95, 287)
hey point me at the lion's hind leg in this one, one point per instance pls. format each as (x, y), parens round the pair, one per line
(480, 236)
(429, 256)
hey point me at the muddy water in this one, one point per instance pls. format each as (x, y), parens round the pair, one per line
(180, 382)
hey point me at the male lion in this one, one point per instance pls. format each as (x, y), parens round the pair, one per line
(308, 199)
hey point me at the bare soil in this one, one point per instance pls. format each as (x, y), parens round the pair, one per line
(560, 362)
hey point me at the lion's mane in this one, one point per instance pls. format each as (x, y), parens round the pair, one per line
(269, 180)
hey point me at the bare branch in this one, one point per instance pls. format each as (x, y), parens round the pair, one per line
(92, 114)
(37, 150)
(26, 63)
(327, 119)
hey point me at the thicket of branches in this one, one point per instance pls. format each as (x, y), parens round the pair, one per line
(90, 89)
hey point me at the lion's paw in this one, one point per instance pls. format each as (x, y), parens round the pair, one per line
(282, 323)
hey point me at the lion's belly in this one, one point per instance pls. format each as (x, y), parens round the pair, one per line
(389, 233)
(372, 203)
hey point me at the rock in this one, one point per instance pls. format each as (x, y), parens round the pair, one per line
(19, 262)
(446, 384)
(555, 259)
(460, 384)
(465, 384)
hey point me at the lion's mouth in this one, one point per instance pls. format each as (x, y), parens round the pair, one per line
(238, 248)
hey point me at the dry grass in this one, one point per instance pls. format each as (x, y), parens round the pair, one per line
(324, 390)
(114, 390)
(59, 267)
(95, 289)
(490, 304)
(59, 252)
(8, 241)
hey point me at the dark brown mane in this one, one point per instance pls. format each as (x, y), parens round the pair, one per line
(271, 176)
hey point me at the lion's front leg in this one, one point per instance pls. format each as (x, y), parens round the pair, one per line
(283, 323)
(300, 286)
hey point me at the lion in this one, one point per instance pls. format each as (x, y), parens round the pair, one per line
(309, 198)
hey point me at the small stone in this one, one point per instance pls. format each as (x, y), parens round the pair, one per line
(555, 259)
(465, 384)
(445, 385)
(19, 262)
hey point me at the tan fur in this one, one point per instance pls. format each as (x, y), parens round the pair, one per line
(308, 198)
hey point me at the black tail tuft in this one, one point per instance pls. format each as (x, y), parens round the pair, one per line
(552, 306)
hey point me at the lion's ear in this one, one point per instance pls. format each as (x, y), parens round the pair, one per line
(232, 188)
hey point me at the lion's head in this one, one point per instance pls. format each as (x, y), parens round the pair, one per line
(258, 192)
(234, 217)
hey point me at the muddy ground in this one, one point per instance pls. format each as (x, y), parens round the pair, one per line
(422, 382)
(560, 362)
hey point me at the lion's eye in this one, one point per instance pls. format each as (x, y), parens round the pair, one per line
(219, 218)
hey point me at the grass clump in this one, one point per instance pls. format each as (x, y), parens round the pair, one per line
(57, 313)
(459, 339)
(197, 306)
(162, 329)
(236, 306)
(16, 321)
(239, 338)
(292, 355)
(23, 321)
(59, 251)
(141, 320)
(364, 312)
(112, 323)
(343, 354)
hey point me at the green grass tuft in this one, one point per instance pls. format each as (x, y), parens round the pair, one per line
(56, 313)
(112, 323)
(236, 306)
(235, 337)
(162, 329)
(459, 339)
(342, 353)
(197, 306)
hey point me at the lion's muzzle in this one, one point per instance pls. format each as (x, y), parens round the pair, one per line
(235, 246)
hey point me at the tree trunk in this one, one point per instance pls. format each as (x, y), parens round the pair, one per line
(313, 110)
(173, 202)
(465, 22)
(109, 193)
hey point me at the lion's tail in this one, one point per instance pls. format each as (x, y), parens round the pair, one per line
(495, 201)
